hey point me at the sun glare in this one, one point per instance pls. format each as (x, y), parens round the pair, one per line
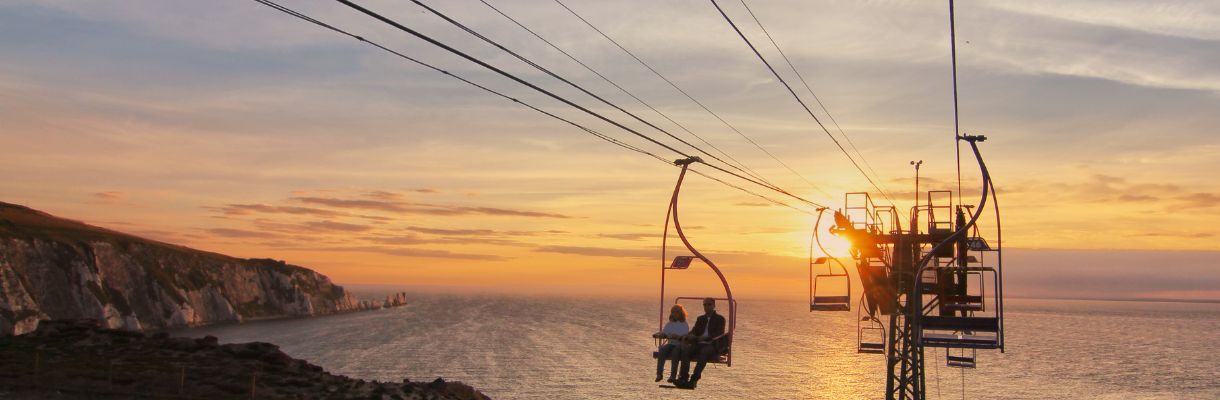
(837, 246)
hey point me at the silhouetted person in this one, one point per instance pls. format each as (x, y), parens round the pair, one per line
(673, 332)
(708, 343)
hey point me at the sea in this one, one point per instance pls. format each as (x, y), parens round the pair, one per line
(521, 347)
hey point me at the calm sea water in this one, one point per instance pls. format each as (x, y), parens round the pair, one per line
(535, 348)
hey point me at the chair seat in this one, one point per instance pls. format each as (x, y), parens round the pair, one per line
(871, 348)
(830, 307)
(722, 359)
(959, 340)
(960, 361)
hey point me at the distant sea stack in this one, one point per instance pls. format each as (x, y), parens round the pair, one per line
(54, 268)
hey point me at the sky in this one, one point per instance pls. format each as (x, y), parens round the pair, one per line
(231, 127)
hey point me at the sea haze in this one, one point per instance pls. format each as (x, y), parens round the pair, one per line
(532, 348)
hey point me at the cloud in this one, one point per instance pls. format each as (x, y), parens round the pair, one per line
(1200, 200)
(241, 233)
(752, 204)
(111, 196)
(398, 239)
(383, 195)
(422, 208)
(598, 251)
(628, 236)
(505, 211)
(451, 232)
(391, 206)
(1195, 235)
(461, 240)
(412, 252)
(335, 226)
(248, 209)
(1137, 198)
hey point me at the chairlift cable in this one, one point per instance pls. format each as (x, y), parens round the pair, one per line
(957, 132)
(809, 89)
(692, 98)
(307, 18)
(595, 133)
(483, 64)
(936, 369)
(963, 384)
(577, 87)
(624, 90)
(801, 102)
(493, 68)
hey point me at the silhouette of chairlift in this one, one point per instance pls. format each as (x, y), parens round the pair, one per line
(870, 334)
(962, 359)
(967, 331)
(683, 263)
(819, 300)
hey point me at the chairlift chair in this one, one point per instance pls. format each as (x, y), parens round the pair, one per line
(819, 300)
(870, 334)
(968, 330)
(684, 262)
(965, 358)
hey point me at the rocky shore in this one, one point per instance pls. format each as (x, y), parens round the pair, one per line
(55, 268)
(78, 359)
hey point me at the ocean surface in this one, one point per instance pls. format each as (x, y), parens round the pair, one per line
(558, 348)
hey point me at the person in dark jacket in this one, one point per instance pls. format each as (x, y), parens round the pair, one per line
(707, 343)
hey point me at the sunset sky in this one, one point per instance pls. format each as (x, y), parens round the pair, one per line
(231, 127)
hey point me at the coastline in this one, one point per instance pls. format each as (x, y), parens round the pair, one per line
(76, 359)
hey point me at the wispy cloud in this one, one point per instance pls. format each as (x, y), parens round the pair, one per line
(1187, 235)
(451, 232)
(249, 209)
(335, 226)
(422, 208)
(598, 251)
(628, 236)
(414, 252)
(112, 196)
(383, 195)
(1200, 200)
(241, 233)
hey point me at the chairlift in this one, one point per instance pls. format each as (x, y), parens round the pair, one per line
(967, 330)
(819, 300)
(965, 358)
(684, 262)
(870, 334)
(960, 332)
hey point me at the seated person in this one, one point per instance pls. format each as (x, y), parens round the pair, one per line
(673, 332)
(709, 326)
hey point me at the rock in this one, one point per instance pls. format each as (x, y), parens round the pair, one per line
(61, 269)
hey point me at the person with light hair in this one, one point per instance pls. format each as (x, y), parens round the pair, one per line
(673, 332)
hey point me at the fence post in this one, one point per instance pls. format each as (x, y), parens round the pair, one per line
(253, 384)
(181, 379)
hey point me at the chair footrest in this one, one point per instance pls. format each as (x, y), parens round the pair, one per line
(949, 340)
(829, 307)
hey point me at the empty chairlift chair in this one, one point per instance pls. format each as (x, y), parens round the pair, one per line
(964, 358)
(972, 329)
(830, 291)
(870, 333)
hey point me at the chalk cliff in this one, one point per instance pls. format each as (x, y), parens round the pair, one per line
(54, 268)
